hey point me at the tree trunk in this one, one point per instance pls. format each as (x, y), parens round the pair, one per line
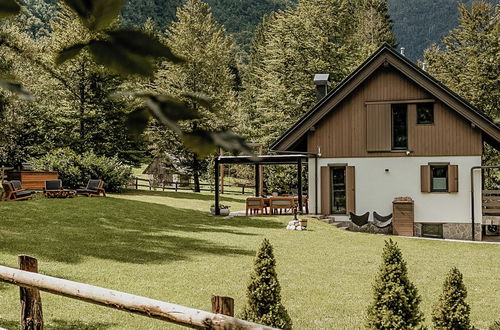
(196, 173)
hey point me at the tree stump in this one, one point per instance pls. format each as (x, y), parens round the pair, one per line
(223, 305)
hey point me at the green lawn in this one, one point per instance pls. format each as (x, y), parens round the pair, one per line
(164, 245)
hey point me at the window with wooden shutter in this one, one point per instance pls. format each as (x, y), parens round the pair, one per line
(351, 189)
(425, 178)
(378, 127)
(452, 178)
(325, 190)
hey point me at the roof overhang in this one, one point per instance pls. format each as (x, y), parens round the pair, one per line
(264, 159)
(386, 56)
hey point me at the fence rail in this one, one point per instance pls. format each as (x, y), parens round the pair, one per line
(181, 315)
(137, 183)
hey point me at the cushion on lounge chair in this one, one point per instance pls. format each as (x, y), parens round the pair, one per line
(253, 203)
(53, 185)
(87, 191)
(359, 220)
(93, 184)
(24, 193)
(16, 184)
(282, 203)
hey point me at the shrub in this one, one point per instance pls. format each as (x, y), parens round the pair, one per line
(75, 169)
(495, 325)
(451, 311)
(263, 293)
(395, 298)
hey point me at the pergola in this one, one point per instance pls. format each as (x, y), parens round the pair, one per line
(257, 162)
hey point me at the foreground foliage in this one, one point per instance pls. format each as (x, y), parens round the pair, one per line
(264, 292)
(395, 298)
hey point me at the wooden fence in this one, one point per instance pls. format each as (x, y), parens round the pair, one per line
(491, 202)
(30, 282)
(137, 183)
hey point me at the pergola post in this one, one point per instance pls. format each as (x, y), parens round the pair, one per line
(299, 183)
(257, 180)
(216, 186)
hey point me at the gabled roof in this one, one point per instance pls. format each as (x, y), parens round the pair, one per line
(383, 56)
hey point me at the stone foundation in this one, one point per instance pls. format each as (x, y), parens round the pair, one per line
(370, 228)
(461, 231)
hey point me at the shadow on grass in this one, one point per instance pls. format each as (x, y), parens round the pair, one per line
(182, 195)
(121, 230)
(9, 325)
(57, 324)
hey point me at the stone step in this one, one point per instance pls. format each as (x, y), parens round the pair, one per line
(326, 220)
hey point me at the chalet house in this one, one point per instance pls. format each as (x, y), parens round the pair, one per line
(390, 130)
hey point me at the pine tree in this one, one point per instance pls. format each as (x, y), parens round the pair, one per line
(451, 311)
(395, 297)
(264, 298)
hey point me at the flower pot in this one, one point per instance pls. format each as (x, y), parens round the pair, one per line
(303, 223)
(224, 211)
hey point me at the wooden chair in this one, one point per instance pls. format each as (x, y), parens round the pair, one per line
(13, 194)
(281, 203)
(93, 188)
(359, 220)
(52, 186)
(255, 204)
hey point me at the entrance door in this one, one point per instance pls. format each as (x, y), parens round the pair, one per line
(338, 190)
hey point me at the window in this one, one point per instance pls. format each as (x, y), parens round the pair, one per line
(432, 230)
(425, 113)
(338, 202)
(399, 127)
(439, 178)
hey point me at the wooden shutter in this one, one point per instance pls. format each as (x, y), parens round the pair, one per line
(378, 127)
(350, 185)
(425, 178)
(325, 190)
(452, 178)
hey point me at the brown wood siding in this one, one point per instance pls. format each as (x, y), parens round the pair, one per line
(325, 190)
(452, 178)
(378, 127)
(343, 132)
(425, 178)
(402, 219)
(351, 189)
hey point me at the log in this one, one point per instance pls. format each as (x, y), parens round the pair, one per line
(165, 311)
(31, 302)
(222, 305)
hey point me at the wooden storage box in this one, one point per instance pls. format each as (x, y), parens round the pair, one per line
(32, 179)
(402, 216)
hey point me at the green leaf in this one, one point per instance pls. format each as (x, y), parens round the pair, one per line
(137, 121)
(119, 60)
(69, 53)
(9, 8)
(16, 88)
(200, 142)
(142, 43)
(104, 12)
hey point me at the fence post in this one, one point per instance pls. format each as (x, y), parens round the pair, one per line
(222, 305)
(243, 190)
(31, 302)
(136, 183)
(176, 186)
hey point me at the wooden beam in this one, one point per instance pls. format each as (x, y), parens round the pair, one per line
(157, 309)
(402, 101)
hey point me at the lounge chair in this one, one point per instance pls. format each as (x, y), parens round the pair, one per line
(13, 194)
(281, 203)
(255, 204)
(359, 220)
(93, 188)
(52, 186)
(380, 221)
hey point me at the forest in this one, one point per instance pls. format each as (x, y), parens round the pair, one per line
(246, 74)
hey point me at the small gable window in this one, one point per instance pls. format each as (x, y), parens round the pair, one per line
(425, 113)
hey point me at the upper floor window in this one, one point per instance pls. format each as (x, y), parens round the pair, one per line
(399, 127)
(425, 113)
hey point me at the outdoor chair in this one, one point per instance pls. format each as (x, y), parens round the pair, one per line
(281, 203)
(93, 188)
(359, 220)
(52, 186)
(255, 204)
(380, 221)
(13, 194)
(305, 204)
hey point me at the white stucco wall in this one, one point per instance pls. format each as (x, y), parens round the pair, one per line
(375, 188)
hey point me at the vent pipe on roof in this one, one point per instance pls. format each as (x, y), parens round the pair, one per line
(424, 66)
(402, 51)
(322, 82)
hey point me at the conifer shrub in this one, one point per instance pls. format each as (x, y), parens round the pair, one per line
(451, 311)
(495, 325)
(263, 294)
(395, 298)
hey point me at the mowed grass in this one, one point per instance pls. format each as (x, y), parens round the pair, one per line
(166, 246)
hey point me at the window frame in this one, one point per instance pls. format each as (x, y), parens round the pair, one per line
(432, 109)
(332, 190)
(431, 176)
(393, 106)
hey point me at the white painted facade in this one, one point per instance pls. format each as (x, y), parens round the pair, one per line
(376, 188)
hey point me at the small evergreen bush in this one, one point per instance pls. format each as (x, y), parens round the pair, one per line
(76, 169)
(263, 293)
(495, 325)
(395, 298)
(451, 311)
